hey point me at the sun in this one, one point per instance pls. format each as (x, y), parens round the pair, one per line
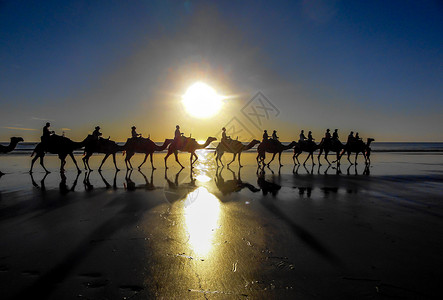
(201, 101)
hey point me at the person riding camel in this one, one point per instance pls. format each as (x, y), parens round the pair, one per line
(351, 137)
(265, 135)
(96, 134)
(357, 137)
(310, 138)
(178, 136)
(335, 135)
(134, 133)
(225, 139)
(274, 135)
(302, 137)
(46, 134)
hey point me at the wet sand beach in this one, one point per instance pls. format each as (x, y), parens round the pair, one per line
(223, 233)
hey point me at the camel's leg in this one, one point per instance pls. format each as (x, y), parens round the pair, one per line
(115, 163)
(196, 157)
(128, 160)
(273, 156)
(312, 158)
(41, 163)
(166, 158)
(338, 159)
(279, 159)
(326, 157)
(296, 157)
(233, 158)
(152, 163)
(84, 161)
(144, 160)
(349, 154)
(32, 163)
(319, 154)
(176, 159)
(239, 163)
(104, 159)
(293, 159)
(75, 162)
(304, 163)
(356, 156)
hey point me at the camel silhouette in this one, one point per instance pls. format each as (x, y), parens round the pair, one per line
(105, 146)
(227, 187)
(187, 145)
(142, 145)
(176, 190)
(57, 145)
(307, 146)
(357, 147)
(272, 146)
(330, 146)
(12, 144)
(234, 147)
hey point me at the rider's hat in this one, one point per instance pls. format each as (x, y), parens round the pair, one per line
(177, 126)
(224, 129)
(328, 129)
(266, 130)
(97, 127)
(133, 127)
(48, 124)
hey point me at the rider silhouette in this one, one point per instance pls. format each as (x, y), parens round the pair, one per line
(328, 134)
(265, 135)
(335, 135)
(310, 138)
(177, 136)
(274, 135)
(134, 133)
(96, 133)
(46, 133)
(302, 137)
(351, 137)
(357, 137)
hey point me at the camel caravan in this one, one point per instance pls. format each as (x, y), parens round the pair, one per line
(94, 143)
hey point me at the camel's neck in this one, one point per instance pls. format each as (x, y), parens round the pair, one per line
(288, 146)
(162, 147)
(249, 146)
(11, 146)
(206, 144)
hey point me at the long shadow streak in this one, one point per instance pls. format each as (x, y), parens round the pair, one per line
(48, 282)
(303, 234)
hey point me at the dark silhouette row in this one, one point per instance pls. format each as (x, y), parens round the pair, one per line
(94, 143)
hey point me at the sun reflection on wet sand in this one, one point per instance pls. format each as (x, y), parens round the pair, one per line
(202, 213)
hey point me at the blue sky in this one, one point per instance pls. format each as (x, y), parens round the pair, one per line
(368, 66)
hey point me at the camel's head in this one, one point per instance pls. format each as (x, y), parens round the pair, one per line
(293, 143)
(255, 142)
(211, 139)
(370, 140)
(17, 139)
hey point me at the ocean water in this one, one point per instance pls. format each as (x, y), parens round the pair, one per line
(27, 148)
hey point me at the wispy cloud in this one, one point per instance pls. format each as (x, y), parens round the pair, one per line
(20, 128)
(41, 119)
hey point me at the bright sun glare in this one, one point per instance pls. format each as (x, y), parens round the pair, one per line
(201, 101)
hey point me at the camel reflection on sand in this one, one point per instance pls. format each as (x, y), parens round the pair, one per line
(227, 187)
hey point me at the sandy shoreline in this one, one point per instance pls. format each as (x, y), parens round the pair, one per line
(295, 233)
